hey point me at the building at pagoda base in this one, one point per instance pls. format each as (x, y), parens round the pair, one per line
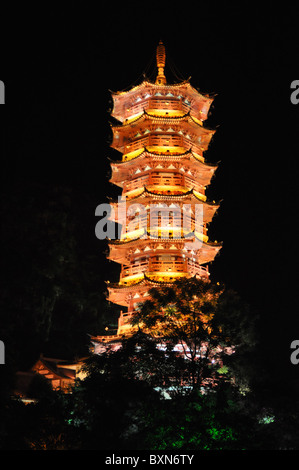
(60, 373)
(163, 211)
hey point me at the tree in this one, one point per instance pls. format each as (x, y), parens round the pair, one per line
(208, 323)
(107, 406)
(120, 405)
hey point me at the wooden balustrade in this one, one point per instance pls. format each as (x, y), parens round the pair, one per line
(163, 178)
(159, 104)
(153, 265)
(155, 140)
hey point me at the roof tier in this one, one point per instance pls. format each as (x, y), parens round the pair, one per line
(122, 294)
(123, 251)
(144, 198)
(146, 161)
(181, 97)
(161, 132)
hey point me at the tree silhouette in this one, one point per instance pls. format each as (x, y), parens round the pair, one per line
(207, 322)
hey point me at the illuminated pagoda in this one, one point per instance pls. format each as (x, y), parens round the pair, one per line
(163, 176)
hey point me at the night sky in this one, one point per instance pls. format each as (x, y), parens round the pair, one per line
(58, 67)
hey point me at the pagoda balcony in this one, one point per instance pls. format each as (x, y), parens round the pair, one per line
(166, 268)
(156, 178)
(165, 180)
(164, 224)
(125, 319)
(136, 183)
(196, 269)
(166, 106)
(171, 227)
(134, 269)
(161, 144)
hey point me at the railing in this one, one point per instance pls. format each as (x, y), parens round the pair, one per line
(167, 179)
(136, 183)
(175, 266)
(156, 178)
(124, 319)
(134, 269)
(196, 269)
(155, 140)
(164, 179)
(159, 104)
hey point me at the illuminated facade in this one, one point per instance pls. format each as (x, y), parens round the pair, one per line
(164, 211)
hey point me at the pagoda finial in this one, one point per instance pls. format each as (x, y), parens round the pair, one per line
(160, 57)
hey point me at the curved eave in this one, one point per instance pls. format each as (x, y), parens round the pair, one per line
(121, 99)
(153, 117)
(162, 157)
(121, 165)
(147, 83)
(147, 153)
(129, 242)
(144, 281)
(175, 196)
(210, 207)
(121, 133)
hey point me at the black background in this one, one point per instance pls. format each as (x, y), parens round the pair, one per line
(58, 65)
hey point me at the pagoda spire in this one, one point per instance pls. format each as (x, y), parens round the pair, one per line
(160, 58)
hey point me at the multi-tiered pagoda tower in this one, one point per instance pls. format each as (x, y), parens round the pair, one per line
(163, 175)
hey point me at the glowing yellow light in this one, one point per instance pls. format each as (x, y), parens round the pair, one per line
(134, 192)
(129, 280)
(200, 196)
(131, 155)
(165, 112)
(201, 236)
(166, 187)
(198, 121)
(133, 117)
(164, 275)
(166, 149)
(133, 234)
(198, 157)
